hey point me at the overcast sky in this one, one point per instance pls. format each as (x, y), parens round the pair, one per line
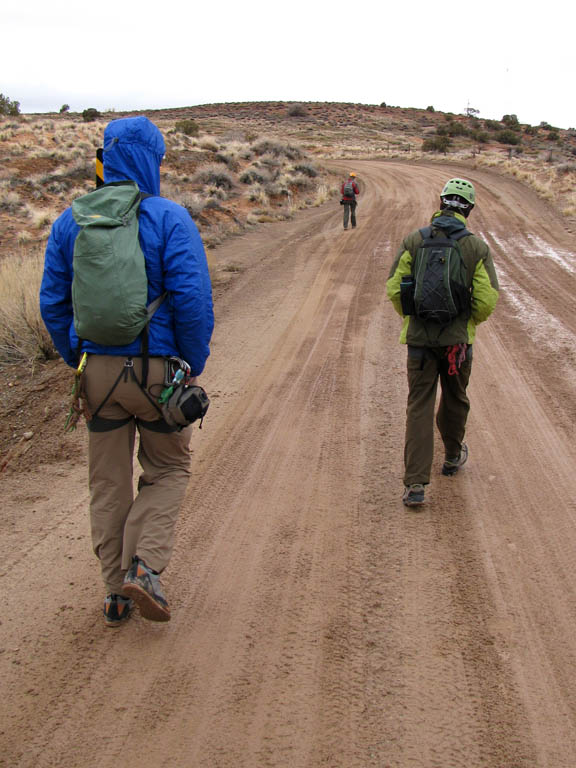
(497, 56)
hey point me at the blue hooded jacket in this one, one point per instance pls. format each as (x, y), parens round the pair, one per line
(173, 250)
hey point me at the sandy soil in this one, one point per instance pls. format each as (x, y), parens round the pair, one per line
(316, 621)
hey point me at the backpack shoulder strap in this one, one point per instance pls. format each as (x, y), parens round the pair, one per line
(460, 234)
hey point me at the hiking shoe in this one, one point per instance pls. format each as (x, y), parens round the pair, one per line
(143, 586)
(117, 609)
(452, 465)
(413, 495)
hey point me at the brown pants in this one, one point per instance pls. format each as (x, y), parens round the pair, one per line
(125, 524)
(425, 366)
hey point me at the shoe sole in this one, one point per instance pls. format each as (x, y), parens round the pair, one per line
(449, 471)
(413, 502)
(149, 608)
(115, 624)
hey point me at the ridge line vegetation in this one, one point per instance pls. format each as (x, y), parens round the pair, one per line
(236, 166)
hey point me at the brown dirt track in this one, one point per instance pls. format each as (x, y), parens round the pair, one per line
(316, 621)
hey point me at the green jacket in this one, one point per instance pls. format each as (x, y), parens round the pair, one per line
(481, 275)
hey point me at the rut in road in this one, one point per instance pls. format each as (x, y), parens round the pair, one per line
(316, 621)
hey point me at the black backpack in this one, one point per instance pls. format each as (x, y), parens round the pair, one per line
(437, 290)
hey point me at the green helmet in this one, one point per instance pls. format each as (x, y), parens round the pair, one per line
(460, 187)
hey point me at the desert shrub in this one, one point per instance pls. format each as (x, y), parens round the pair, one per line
(553, 135)
(276, 148)
(482, 137)
(271, 162)
(301, 181)
(437, 144)
(23, 336)
(195, 207)
(382, 103)
(278, 187)
(430, 109)
(90, 114)
(492, 125)
(508, 137)
(566, 168)
(209, 143)
(10, 201)
(214, 176)
(511, 121)
(457, 129)
(8, 106)
(64, 108)
(297, 110)
(227, 158)
(187, 127)
(307, 169)
(254, 175)
(257, 194)
(531, 130)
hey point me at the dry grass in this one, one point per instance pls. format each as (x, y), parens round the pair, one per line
(23, 337)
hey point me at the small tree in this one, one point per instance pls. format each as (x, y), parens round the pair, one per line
(508, 137)
(90, 114)
(511, 121)
(9, 107)
(430, 109)
(457, 129)
(437, 144)
(64, 108)
(481, 137)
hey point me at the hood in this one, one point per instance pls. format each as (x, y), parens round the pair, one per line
(133, 149)
(448, 221)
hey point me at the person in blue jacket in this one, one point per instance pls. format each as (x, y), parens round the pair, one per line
(133, 533)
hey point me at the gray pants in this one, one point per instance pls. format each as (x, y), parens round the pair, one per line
(350, 212)
(425, 366)
(123, 523)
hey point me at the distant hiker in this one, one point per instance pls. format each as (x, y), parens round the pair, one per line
(132, 535)
(349, 190)
(439, 328)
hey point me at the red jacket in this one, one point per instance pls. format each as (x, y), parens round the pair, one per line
(355, 187)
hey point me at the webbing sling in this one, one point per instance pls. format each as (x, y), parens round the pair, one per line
(100, 424)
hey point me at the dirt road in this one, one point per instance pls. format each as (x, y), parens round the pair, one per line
(316, 621)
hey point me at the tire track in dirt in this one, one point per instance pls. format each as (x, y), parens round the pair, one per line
(316, 620)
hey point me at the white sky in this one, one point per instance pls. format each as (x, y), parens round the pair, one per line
(497, 56)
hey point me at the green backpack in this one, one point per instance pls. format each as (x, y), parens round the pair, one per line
(110, 285)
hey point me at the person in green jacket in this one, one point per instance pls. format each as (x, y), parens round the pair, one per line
(441, 351)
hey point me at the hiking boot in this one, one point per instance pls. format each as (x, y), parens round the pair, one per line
(143, 586)
(117, 609)
(453, 464)
(413, 495)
